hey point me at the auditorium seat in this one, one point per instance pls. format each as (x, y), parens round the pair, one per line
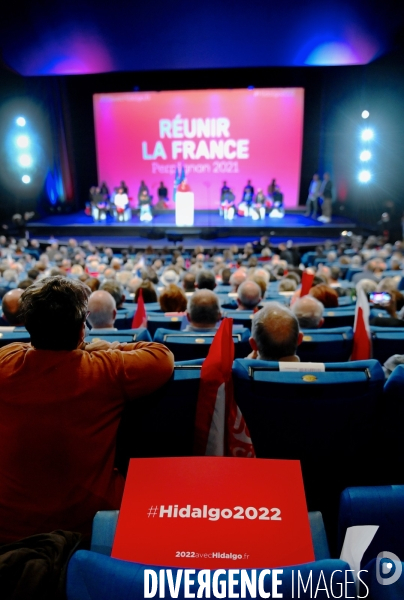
(326, 345)
(352, 271)
(158, 320)
(121, 335)
(339, 317)
(327, 420)
(162, 423)
(92, 576)
(124, 319)
(187, 345)
(381, 506)
(391, 426)
(105, 522)
(18, 334)
(387, 341)
(240, 317)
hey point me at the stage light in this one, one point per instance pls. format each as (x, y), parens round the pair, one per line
(365, 155)
(21, 121)
(22, 141)
(365, 114)
(25, 160)
(364, 176)
(26, 179)
(367, 134)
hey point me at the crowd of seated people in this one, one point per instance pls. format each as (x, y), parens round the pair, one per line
(193, 290)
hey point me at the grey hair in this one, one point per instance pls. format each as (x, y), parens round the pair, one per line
(275, 330)
(308, 311)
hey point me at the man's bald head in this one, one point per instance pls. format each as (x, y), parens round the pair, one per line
(248, 295)
(204, 309)
(309, 312)
(102, 308)
(237, 278)
(11, 306)
(275, 332)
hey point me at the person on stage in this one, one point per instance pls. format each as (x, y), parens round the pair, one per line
(227, 203)
(326, 196)
(162, 194)
(105, 191)
(312, 200)
(271, 187)
(244, 208)
(145, 199)
(278, 211)
(121, 205)
(99, 204)
(258, 208)
(124, 187)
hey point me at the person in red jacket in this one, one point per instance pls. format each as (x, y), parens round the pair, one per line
(60, 406)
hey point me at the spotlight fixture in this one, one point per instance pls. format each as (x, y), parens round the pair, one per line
(26, 179)
(365, 114)
(22, 141)
(25, 160)
(21, 121)
(367, 134)
(364, 176)
(365, 155)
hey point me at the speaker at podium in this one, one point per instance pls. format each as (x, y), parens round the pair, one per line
(184, 205)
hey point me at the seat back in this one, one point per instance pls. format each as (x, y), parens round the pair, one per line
(326, 345)
(191, 345)
(158, 320)
(387, 341)
(124, 335)
(92, 576)
(375, 505)
(339, 317)
(327, 420)
(240, 317)
(162, 423)
(10, 337)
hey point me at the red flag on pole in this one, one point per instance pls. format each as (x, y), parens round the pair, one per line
(362, 344)
(307, 281)
(140, 316)
(220, 429)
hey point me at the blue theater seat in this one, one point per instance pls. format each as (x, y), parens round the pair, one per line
(157, 320)
(387, 341)
(377, 505)
(124, 319)
(121, 335)
(20, 334)
(339, 317)
(326, 345)
(327, 420)
(391, 426)
(105, 522)
(352, 271)
(92, 576)
(240, 317)
(188, 345)
(161, 424)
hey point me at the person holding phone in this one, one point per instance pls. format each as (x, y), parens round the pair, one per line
(391, 302)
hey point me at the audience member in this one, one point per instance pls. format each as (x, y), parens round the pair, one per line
(11, 307)
(60, 416)
(102, 310)
(116, 290)
(309, 312)
(275, 334)
(203, 311)
(248, 295)
(325, 294)
(148, 291)
(173, 299)
(205, 280)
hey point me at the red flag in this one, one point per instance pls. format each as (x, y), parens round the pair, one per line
(362, 344)
(140, 316)
(220, 429)
(307, 280)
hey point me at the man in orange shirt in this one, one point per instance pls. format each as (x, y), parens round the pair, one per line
(60, 407)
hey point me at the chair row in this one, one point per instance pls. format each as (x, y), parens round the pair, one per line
(334, 422)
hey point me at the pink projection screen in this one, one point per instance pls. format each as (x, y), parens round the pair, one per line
(218, 135)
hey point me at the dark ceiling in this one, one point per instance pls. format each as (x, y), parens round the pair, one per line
(46, 37)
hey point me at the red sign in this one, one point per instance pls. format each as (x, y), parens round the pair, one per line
(209, 512)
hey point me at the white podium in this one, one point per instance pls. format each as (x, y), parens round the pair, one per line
(184, 208)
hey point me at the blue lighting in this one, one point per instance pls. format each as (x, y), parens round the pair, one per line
(21, 122)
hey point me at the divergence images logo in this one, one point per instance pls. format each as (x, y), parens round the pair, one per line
(388, 568)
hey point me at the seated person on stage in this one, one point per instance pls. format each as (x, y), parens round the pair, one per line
(258, 207)
(99, 205)
(124, 187)
(277, 211)
(61, 405)
(121, 205)
(162, 194)
(227, 202)
(275, 334)
(203, 312)
(244, 208)
(145, 199)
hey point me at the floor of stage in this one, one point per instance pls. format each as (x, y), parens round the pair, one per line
(202, 220)
(207, 226)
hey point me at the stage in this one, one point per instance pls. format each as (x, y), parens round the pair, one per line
(208, 225)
